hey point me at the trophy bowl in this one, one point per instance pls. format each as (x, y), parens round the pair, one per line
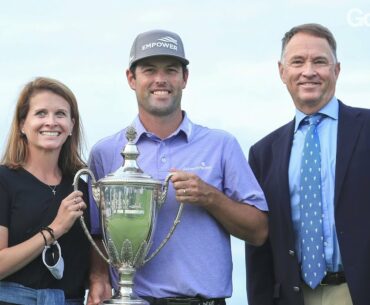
(128, 202)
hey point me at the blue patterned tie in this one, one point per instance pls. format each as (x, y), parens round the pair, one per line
(312, 239)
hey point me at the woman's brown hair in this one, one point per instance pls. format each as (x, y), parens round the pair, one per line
(16, 151)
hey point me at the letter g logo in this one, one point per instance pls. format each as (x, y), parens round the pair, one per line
(357, 18)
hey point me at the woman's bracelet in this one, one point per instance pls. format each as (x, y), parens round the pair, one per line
(50, 231)
(43, 235)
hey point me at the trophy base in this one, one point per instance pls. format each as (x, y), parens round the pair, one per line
(127, 301)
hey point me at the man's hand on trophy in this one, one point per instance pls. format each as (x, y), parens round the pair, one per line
(191, 189)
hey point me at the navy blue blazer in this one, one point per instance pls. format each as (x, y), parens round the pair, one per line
(273, 273)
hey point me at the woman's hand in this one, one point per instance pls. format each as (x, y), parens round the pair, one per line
(70, 209)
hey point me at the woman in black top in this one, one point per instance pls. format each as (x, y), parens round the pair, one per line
(38, 207)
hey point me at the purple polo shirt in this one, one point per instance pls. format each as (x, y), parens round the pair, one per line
(197, 259)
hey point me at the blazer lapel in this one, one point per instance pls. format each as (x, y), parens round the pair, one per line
(281, 148)
(349, 126)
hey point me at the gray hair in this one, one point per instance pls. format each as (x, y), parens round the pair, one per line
(313, 29)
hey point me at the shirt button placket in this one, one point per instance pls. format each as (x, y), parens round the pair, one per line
(163, 157)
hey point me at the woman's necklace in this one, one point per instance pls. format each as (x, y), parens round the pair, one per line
(53, 188)
(41, 178)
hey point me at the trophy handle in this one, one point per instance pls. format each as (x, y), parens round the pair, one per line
(96, 195)
(162, 199)
(163, 195)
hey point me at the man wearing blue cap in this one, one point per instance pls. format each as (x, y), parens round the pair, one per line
(210, 175)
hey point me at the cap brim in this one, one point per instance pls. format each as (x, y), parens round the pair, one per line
(180, 59)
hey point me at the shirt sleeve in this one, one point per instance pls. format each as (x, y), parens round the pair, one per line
(240, 184)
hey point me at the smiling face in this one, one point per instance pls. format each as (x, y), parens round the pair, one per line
(158, 83)
(309, 70)
(48, 122)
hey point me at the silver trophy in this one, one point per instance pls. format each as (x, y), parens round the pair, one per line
(128, 203)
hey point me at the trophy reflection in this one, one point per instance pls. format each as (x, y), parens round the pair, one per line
(128, 202)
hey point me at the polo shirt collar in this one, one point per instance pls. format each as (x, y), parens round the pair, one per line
(185, 128)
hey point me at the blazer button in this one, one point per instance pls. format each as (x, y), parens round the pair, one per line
(296, 289)
(291, 252)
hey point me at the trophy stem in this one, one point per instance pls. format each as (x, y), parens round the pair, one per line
(125, 294)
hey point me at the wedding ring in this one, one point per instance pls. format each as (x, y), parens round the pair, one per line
(184, 191)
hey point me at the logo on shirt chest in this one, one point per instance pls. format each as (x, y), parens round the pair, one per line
(202, 166)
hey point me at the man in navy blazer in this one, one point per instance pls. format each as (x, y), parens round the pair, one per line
(309, 68)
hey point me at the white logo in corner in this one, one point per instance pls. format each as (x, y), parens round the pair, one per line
(358, 18)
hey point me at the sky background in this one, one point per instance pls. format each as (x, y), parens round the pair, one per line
(233, 47)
